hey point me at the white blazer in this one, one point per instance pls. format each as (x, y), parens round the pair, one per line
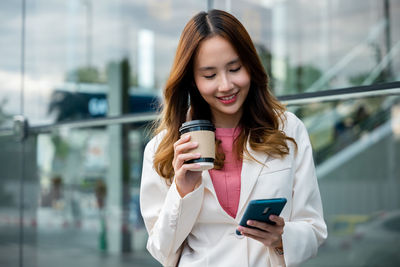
(196, 231)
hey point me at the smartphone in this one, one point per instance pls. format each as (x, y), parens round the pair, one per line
(261, 209)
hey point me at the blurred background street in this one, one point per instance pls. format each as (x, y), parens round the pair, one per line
(80, 86)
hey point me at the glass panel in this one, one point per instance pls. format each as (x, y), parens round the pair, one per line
(10, 63)
(357, 149)
(10, 149)
(67, 63)
(29, 197)
(74, 210)
(18, 201)
(10, 174)
(85, 204)
(316, 45)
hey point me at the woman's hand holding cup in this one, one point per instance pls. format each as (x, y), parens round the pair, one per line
(185, 179)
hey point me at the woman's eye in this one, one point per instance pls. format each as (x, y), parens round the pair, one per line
(235, 70)
(209, 76)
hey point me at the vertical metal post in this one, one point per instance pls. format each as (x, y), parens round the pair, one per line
(89, 18)
(22, 163)
(210, 4)
(386, 11)
(117, 180)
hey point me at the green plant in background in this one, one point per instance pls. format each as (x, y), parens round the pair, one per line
(85, 75)
(6, 198)
(4, 117)
(360, 78)
(61, 147)
(299, 78)
(94, 75)
(266, 59)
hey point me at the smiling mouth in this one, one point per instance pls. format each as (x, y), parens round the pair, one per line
(228, 99)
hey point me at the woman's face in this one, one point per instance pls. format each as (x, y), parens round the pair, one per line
(222, 80)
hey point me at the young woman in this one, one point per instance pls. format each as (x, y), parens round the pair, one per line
(263, 152)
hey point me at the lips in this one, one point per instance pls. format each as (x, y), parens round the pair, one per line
(228, 99)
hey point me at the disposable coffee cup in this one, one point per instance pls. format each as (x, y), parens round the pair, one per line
(202, 132)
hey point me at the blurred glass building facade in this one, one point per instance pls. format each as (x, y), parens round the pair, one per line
(80, 83)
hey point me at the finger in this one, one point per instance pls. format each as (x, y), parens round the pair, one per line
(261, 225)
(276, 229)
(269, 242)
(277, 219)
(182, 139)
(191, 166)
(254, 231)
(185, 147)
(181, 148)
(182, 158)
(268, 239)
(181, 172)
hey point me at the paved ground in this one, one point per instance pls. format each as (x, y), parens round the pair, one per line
(64, 249)
(69, 248)
(74, 257)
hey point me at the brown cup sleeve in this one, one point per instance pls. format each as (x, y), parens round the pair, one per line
(206, 141)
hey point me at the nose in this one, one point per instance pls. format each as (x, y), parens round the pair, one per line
(225, 84)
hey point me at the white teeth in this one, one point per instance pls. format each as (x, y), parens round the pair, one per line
(228, 98)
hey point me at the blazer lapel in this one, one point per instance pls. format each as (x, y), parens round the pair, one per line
(208, 183)
(250, 171)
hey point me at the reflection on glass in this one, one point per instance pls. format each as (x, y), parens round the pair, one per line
(334, 126)
(85, 37)
(325, 44)
(357, 149)
(74, 208)
(18, 201)
(305, 46)
(9, 202)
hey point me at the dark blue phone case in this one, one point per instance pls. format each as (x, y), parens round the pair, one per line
(261, 209)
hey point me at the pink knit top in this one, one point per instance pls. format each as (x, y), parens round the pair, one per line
(227, 180)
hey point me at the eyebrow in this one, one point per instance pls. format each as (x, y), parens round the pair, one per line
(236, 60)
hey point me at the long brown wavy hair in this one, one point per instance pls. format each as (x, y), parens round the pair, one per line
(262, 113)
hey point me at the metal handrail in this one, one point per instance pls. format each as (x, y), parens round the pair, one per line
(290, 100)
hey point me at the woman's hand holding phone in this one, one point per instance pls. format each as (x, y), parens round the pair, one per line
(268, 234)
(185, 180)
(261, 221)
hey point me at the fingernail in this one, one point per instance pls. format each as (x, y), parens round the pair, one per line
(250, 222)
